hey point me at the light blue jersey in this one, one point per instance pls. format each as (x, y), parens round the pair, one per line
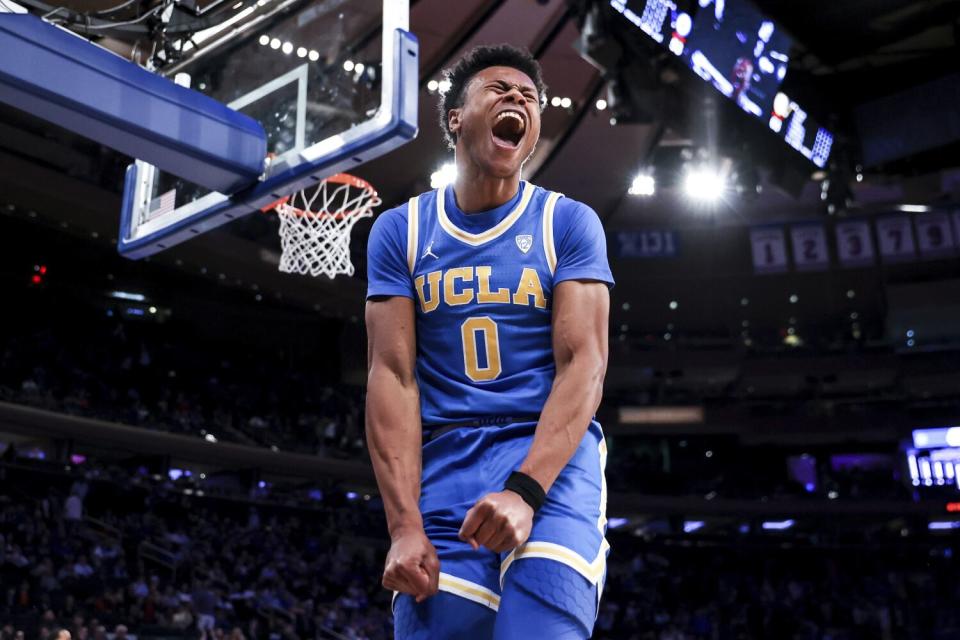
(483, 285)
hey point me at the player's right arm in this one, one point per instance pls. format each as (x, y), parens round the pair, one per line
(393, 426)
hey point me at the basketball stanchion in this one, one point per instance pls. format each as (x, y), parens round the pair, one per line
(315, 224)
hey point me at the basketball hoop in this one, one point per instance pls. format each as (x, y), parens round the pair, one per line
(315, 225)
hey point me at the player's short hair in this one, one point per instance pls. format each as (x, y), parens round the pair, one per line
(475, 61)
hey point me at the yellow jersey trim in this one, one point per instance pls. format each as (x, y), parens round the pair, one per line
(476, 239)
(413, 232)
(549, 247)
(592, 571)
(469, 590)
(463, 588)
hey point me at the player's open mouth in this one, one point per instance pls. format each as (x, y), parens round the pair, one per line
(508, 128)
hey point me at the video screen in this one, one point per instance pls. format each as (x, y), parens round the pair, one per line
(934, 459)
(659, 19)
(741, 52)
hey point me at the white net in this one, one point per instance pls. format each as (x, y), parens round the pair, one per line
(315, 225)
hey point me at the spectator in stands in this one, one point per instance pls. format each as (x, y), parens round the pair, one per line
(73, 508)
(205, 606)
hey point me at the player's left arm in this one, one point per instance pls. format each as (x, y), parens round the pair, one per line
(581, 307)
(580, 325)
(503, 520)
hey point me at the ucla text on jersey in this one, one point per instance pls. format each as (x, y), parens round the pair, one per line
(483, 285)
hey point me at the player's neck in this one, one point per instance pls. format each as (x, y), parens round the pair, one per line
(476, 192)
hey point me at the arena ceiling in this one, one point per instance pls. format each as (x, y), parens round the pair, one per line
(847, 53)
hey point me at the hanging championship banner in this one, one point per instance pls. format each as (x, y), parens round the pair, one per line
(646, 244)
(809, 243)
(769, 250)
(934, 235)
(854, 243)
(895, 237)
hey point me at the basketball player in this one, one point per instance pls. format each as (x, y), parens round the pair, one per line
(487, 322)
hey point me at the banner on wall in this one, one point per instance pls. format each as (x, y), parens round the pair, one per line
(895, 238)
(935, 235)
(809, 244)
(646, 244)
(854, 243)
(769, 250)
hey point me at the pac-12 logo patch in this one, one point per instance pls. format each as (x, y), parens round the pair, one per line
(524, 242)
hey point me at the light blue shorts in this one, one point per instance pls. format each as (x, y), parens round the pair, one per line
(463, 465)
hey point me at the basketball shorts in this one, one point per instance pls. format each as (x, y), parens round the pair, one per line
(562, 586)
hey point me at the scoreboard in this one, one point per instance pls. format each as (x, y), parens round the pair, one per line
(743, 54)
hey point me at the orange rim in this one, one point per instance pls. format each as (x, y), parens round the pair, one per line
(337, 178)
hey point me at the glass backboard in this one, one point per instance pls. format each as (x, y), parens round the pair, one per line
(333, 84)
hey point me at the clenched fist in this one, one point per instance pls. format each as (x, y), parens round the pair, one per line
(412, 565)
(499, 521)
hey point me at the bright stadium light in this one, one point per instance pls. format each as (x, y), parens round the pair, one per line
(703, 184)
(443, 176)
(777, 525)
(643, 185)
(689, 526)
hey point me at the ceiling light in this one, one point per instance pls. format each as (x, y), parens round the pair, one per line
(778, 525)
(313, 56)
(301, 52)
(433, 85)
(674, 304)
(275, 43)
(703, 184)
(566, 103)
(287, 48)
(348, 65)
(643, 185)
(555, 101)
(444, 86)
(264, 40)
(601, 104)
(358, 67)
(443, 176)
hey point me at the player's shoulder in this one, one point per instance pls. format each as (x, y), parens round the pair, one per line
(566, 206)
(400, 214)
(572, 213)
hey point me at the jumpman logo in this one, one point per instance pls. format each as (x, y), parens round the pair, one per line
(429, 252)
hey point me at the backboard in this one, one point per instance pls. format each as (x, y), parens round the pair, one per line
(332, 82)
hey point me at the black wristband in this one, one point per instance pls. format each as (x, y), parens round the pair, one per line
(527, 488)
